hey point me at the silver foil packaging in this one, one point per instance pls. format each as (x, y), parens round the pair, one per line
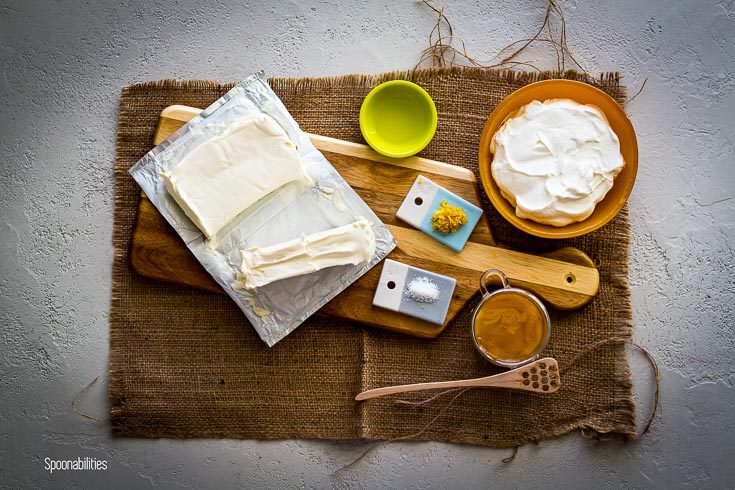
(275, 309)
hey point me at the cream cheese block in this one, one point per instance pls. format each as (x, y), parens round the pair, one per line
(353, 243)
(227, 174)
(555, 160)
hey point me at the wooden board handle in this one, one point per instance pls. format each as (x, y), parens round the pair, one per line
(563, 285)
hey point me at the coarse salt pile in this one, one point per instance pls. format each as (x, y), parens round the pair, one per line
(422, 289)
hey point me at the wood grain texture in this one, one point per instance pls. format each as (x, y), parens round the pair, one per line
(158, 252)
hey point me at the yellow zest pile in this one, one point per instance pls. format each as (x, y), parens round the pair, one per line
(448, 219)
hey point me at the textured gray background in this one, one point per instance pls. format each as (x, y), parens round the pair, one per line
(62, 67)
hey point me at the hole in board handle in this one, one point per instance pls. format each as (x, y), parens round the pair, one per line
(570, 278)
(418, 201)
(391, 285)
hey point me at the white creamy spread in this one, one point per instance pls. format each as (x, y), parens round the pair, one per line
(334, 195)
(257, 309)
(227, 174)
(555, 160)
(353, 243)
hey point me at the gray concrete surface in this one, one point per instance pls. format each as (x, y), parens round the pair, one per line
(62, 66)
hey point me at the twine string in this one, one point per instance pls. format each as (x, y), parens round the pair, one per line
(75, 401)
(586, 432)
(445, 49)
(639, 91)
(622, 341)
(375, 445)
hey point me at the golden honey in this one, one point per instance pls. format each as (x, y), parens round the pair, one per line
(510, 327)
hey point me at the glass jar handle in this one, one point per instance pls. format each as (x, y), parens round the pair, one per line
(492, 272)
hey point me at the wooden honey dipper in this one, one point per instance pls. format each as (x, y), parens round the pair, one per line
(541, 376)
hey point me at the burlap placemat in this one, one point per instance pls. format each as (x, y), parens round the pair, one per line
(185, 363)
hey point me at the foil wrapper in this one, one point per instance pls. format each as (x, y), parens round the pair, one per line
(275, 309)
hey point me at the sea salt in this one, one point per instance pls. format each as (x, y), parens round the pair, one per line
(422, 289)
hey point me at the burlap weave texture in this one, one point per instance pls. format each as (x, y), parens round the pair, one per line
(185, 363)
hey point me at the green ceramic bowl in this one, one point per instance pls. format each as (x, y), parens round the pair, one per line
(398, 118)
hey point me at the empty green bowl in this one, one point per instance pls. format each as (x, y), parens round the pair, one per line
(398, 118)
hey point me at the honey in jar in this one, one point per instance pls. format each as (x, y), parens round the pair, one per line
(510, 326)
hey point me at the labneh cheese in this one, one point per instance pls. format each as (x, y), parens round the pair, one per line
(353, 243)
(555, 160)
(227, 174)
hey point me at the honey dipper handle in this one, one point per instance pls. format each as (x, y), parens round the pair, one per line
(503, 380)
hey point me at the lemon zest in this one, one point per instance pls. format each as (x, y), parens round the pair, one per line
(448, 219)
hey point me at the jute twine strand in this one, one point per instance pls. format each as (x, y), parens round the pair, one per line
(75, 400)
(446, 49)
(562, 369)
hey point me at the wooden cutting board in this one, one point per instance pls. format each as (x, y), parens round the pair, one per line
(565, 279)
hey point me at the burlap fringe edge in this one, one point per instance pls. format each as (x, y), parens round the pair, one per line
(370, 80)
(115, 387)
(626, 413)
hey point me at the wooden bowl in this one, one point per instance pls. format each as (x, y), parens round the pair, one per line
(584, 94)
